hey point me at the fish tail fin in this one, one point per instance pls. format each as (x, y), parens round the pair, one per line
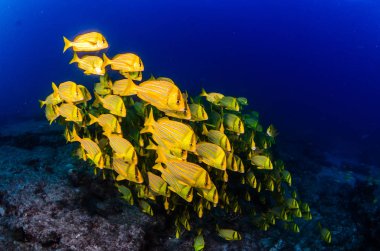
(74, 136)
(68, 44)
(203, 93)
(93, 119)
(158, 167)
(161, 158)
(151, 146)
(119, 178)
(204, 130)
(55, 89)
(149, 122)
(75, 58)
(42, 103)
(131, 88)
(98, 100)
(106, 60)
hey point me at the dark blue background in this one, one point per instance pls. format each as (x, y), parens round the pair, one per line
(310, 67)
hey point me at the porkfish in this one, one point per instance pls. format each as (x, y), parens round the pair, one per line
(91, 41)
(233, 123)
(157, 184)
(162, 94)
(212, 155)
(212, 97)
(108, 122)
(127, 171)
(198, 113)
(123, 149)
(92, 149)
(184, 190)
(190, 173)
(228, 234)
(70, 112)
(169, 133)
(90, 64)
(51, 113)
(113, 103)
(70, 92)
(52, 99)
(126, 62)
(218, 138)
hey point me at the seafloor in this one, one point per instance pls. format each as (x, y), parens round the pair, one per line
(51, 201)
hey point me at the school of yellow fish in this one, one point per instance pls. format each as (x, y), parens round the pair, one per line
(165, 149)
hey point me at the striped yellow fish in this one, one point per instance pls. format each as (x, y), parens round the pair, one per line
(113, 103)
(262, 162)
(51, 112)
(91, 41)
(157, 184)
(210, 194)
(218, 138)
(90, 64)
(184, 190)
(103, 87)
(185, 114)
(164, 95)
(70, 92)
(190, 173)
(198, 113)
(52, 99)
(122, 148)
(92, 149)
(212, 155)
(228, 234)
(126, 171)
(233, 123)
(126, 62)
(212, 97)
(70, 112)
(108, 122)
(170, 133)
(231, 162)
(230, 103)
(86, 94)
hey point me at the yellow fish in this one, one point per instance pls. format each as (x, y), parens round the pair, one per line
(228, 234)
(212, 97)
(212, 155)
(184, 190)
(92, 149)
(271, 131)
(170, 133)
(186, 114)
(86, 94)
(218, 138)
(70, 92)
(198, 113)
(127, 171)
(92, 41)
(122, 148)
(104, 86)
(262, 162)
(210, 194)
(70, 112)
(108, 122)
(164, 95)
(126, 62)
(231, 162)
(233, 123)
(52, 99)
(145, 207)
(190, 173)
(90, 64)
(157, 184)
(199, 243)
(240, 164)
(51, 113)
(230, 103)
(113, 103)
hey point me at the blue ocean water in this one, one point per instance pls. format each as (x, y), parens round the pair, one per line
(309, 67)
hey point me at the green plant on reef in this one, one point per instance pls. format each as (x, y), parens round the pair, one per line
(199, 159)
